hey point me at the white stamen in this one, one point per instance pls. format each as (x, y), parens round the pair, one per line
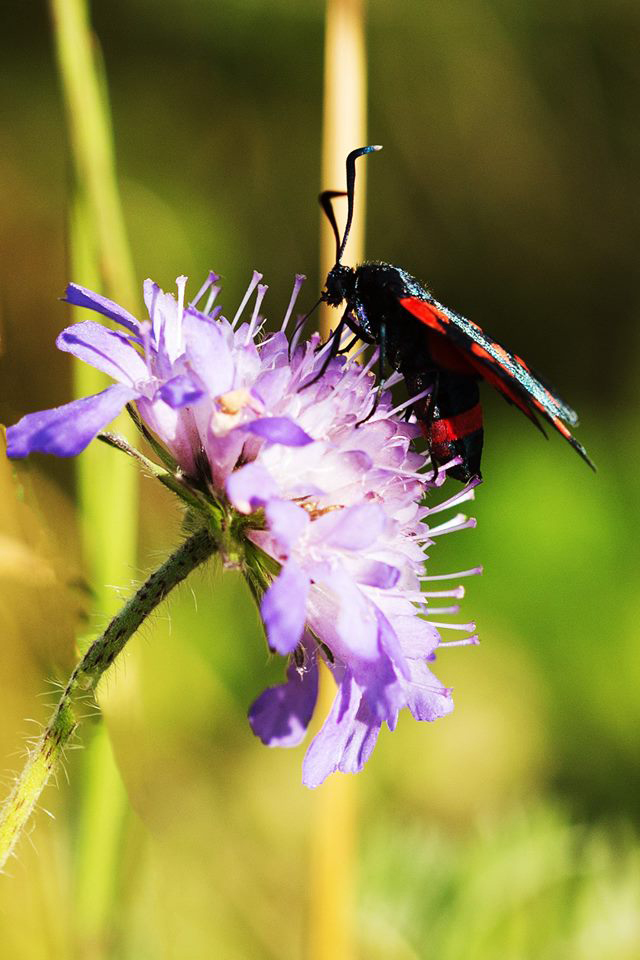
(370, 362)
(452, 524)
(473, 572)
(262, 289)
(408, 403)
(467, 493)
(300, 278)
(454, 462)
(443, 611)
(213, 293)
(211, 279)
(298, 333)
(409, 474)
(467, 642)
(325, 346)
(358, 353)
(391, 380)
(181, 283)
(467, 627)
(255, 280)
(457, 592)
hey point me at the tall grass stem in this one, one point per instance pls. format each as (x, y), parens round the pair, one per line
(334, 830)
(107, 485)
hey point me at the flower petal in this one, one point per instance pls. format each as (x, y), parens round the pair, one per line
(279, 430)
(426, 697)
(104, 349)
(374, 573)
(180, 391)
(287, 521)
(250, 487)
(165, 322)
(353, 529)
(346, 739)
(82, 297)
(280, 716)
(354, 618)
(284, 609)
(208, 352)
(65, 431)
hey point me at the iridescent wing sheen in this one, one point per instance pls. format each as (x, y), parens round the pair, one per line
(505, 371)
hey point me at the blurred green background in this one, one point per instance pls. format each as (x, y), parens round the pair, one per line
(508, 182)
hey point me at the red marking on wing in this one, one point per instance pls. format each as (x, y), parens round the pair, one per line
(426, 313)
(502, 360)
(502, 355)
(559, 425)
(496, 380)
(446, 355)
(449, 429)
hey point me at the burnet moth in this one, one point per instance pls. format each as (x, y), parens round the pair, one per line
(441, 355)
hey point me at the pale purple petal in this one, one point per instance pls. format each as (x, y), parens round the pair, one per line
(287, 521)
(353, 529)
(65, 431)
(279, 430)
(81, 297)
(208, 353)
(271, 385)
(390, 643)
(250, 487)
(346, 739)
(426, 697)
(165, 323)
(280, 716)
(355, 619)
(284, 608)
(106, 350)
(180, 391)
(418, 638)
(374, 573)
(174, 427)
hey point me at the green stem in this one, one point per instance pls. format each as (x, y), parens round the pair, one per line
(84, 88)
(101, 260)
(48, 751)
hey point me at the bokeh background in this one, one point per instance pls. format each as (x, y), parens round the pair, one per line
(508, 182)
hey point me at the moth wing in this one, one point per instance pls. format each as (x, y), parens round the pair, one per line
(505, 371)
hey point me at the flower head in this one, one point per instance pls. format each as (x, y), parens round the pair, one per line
(319, 482)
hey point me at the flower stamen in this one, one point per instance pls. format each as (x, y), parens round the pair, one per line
(255, 280)
(472, 572)
(251, 330)
(209, 282)
(297, 284)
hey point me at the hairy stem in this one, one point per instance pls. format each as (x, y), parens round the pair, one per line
(48, 751)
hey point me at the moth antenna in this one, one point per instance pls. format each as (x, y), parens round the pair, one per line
(325, 199)
(351, 181)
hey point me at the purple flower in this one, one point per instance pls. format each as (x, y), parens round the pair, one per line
(333, 503)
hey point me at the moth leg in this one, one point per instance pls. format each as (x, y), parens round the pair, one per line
(334, 348)
(350, 345)
(382, 342)
(426, 422)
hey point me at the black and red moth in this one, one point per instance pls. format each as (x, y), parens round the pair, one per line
(433, 348)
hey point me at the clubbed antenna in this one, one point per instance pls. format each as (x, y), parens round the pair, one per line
(325, 199)
(328, 195)
(351, 182)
